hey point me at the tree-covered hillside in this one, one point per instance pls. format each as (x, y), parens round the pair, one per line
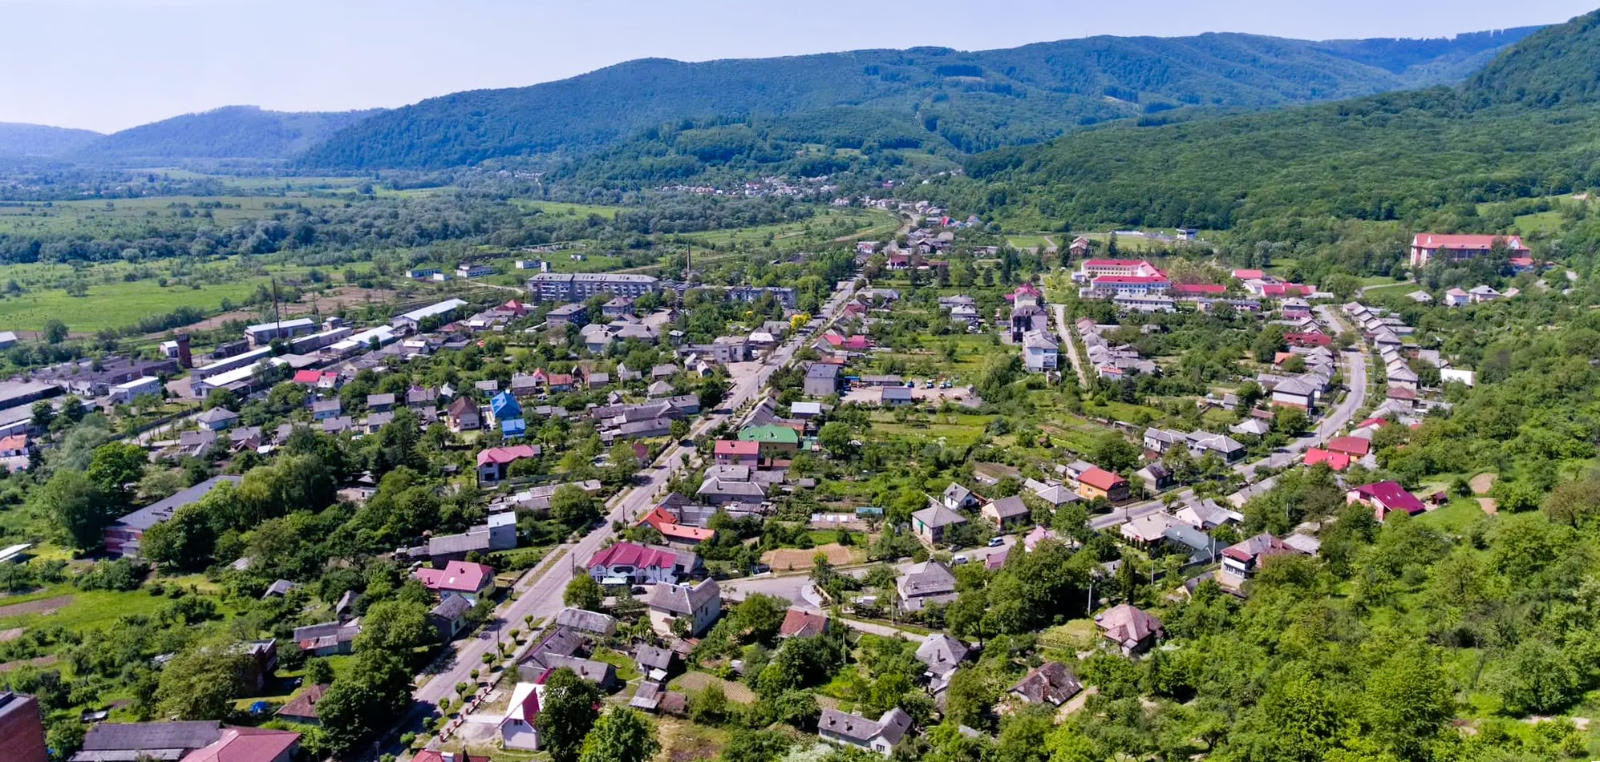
(970, 101)
(1520, 128)
(41, 140)
(231, 132)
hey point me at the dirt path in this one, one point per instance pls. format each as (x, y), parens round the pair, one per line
(41, 606)
(1482, 483)
(41, 661)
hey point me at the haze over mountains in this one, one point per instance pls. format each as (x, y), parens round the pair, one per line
(931, 99)
(1522, 127)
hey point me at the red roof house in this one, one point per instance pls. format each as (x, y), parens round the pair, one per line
(1199, 289)
(1355, 447)
(248, 745)
(735, 452)
(506, 455)
(1385, 498)
(666, 522)
(1249, 274)
(1337, 461)
(457, 577)
(800, 624)
(1311, 339)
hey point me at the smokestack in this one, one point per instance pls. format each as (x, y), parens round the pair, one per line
(184, 358)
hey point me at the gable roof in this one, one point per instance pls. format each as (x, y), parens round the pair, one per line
(1008, 507)
(1100, 478)
(1051, 682)
(1127, 624)
(937, 515)
(1391, 496)
(799, 623)
(456, 576)
(1337, 461)
(941, 653)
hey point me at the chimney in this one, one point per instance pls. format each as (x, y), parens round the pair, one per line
(184, 359)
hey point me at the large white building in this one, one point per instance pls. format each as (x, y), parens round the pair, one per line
(577, 287)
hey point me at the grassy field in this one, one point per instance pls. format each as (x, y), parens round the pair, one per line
(563, 209)
(830, 222)
(140, 216)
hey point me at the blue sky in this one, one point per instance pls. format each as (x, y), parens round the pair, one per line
(111, 64)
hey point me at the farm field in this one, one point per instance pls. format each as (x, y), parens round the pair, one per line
(844, 223)
(139, 217)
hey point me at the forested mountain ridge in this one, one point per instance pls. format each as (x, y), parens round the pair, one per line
(230, 132)
(1521, 127)
(42, 140)
(968, 101)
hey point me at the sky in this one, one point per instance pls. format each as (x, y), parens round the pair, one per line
(111, 64)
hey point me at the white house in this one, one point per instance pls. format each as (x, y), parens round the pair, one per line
(1040, 353)
(881, 735)
(516, 727)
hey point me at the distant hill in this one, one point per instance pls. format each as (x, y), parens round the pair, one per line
(1522, 127)
(41, 140)
(231, 132)
(961, 101)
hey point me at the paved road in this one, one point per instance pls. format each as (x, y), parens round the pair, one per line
(539, 591)
(1066, 332)
(1355, 377)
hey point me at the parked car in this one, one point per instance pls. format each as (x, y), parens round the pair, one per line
(995, 542)
(959, 560)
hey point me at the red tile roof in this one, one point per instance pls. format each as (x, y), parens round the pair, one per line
(1337, 461)
(1244, 274)
(737, 447)
(1100, 478)
(456, 576)
(1350, 445)
(637, 556)
(1131, 279)
(665, 522)
(506, 454)
(246, 745)
(1115, 263)
(1197, 289)
(1312, 339)
(1455, 242)
(797, 623)
(1391, 496)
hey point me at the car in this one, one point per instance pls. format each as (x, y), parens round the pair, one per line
(911, 384)
(927, 384)
(995, 542)
(959, 560)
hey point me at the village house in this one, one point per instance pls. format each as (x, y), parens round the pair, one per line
(1006, 513)
(494, 464)
(1129, 628)
(881, 735)
(933, 523)
(1098, 482)
(699, 604)
(1385, 498)
(925, 583)
(468, 580)
(631, 563)
(1050, 683)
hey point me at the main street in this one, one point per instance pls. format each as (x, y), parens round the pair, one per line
(538, 593)
(1355, 379)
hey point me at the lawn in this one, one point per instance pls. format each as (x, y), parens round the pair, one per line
(693, 682)
(1456, 517)
(627, 670)
(833, 223)
(94, 609)
(116, 305)
(137, 217)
